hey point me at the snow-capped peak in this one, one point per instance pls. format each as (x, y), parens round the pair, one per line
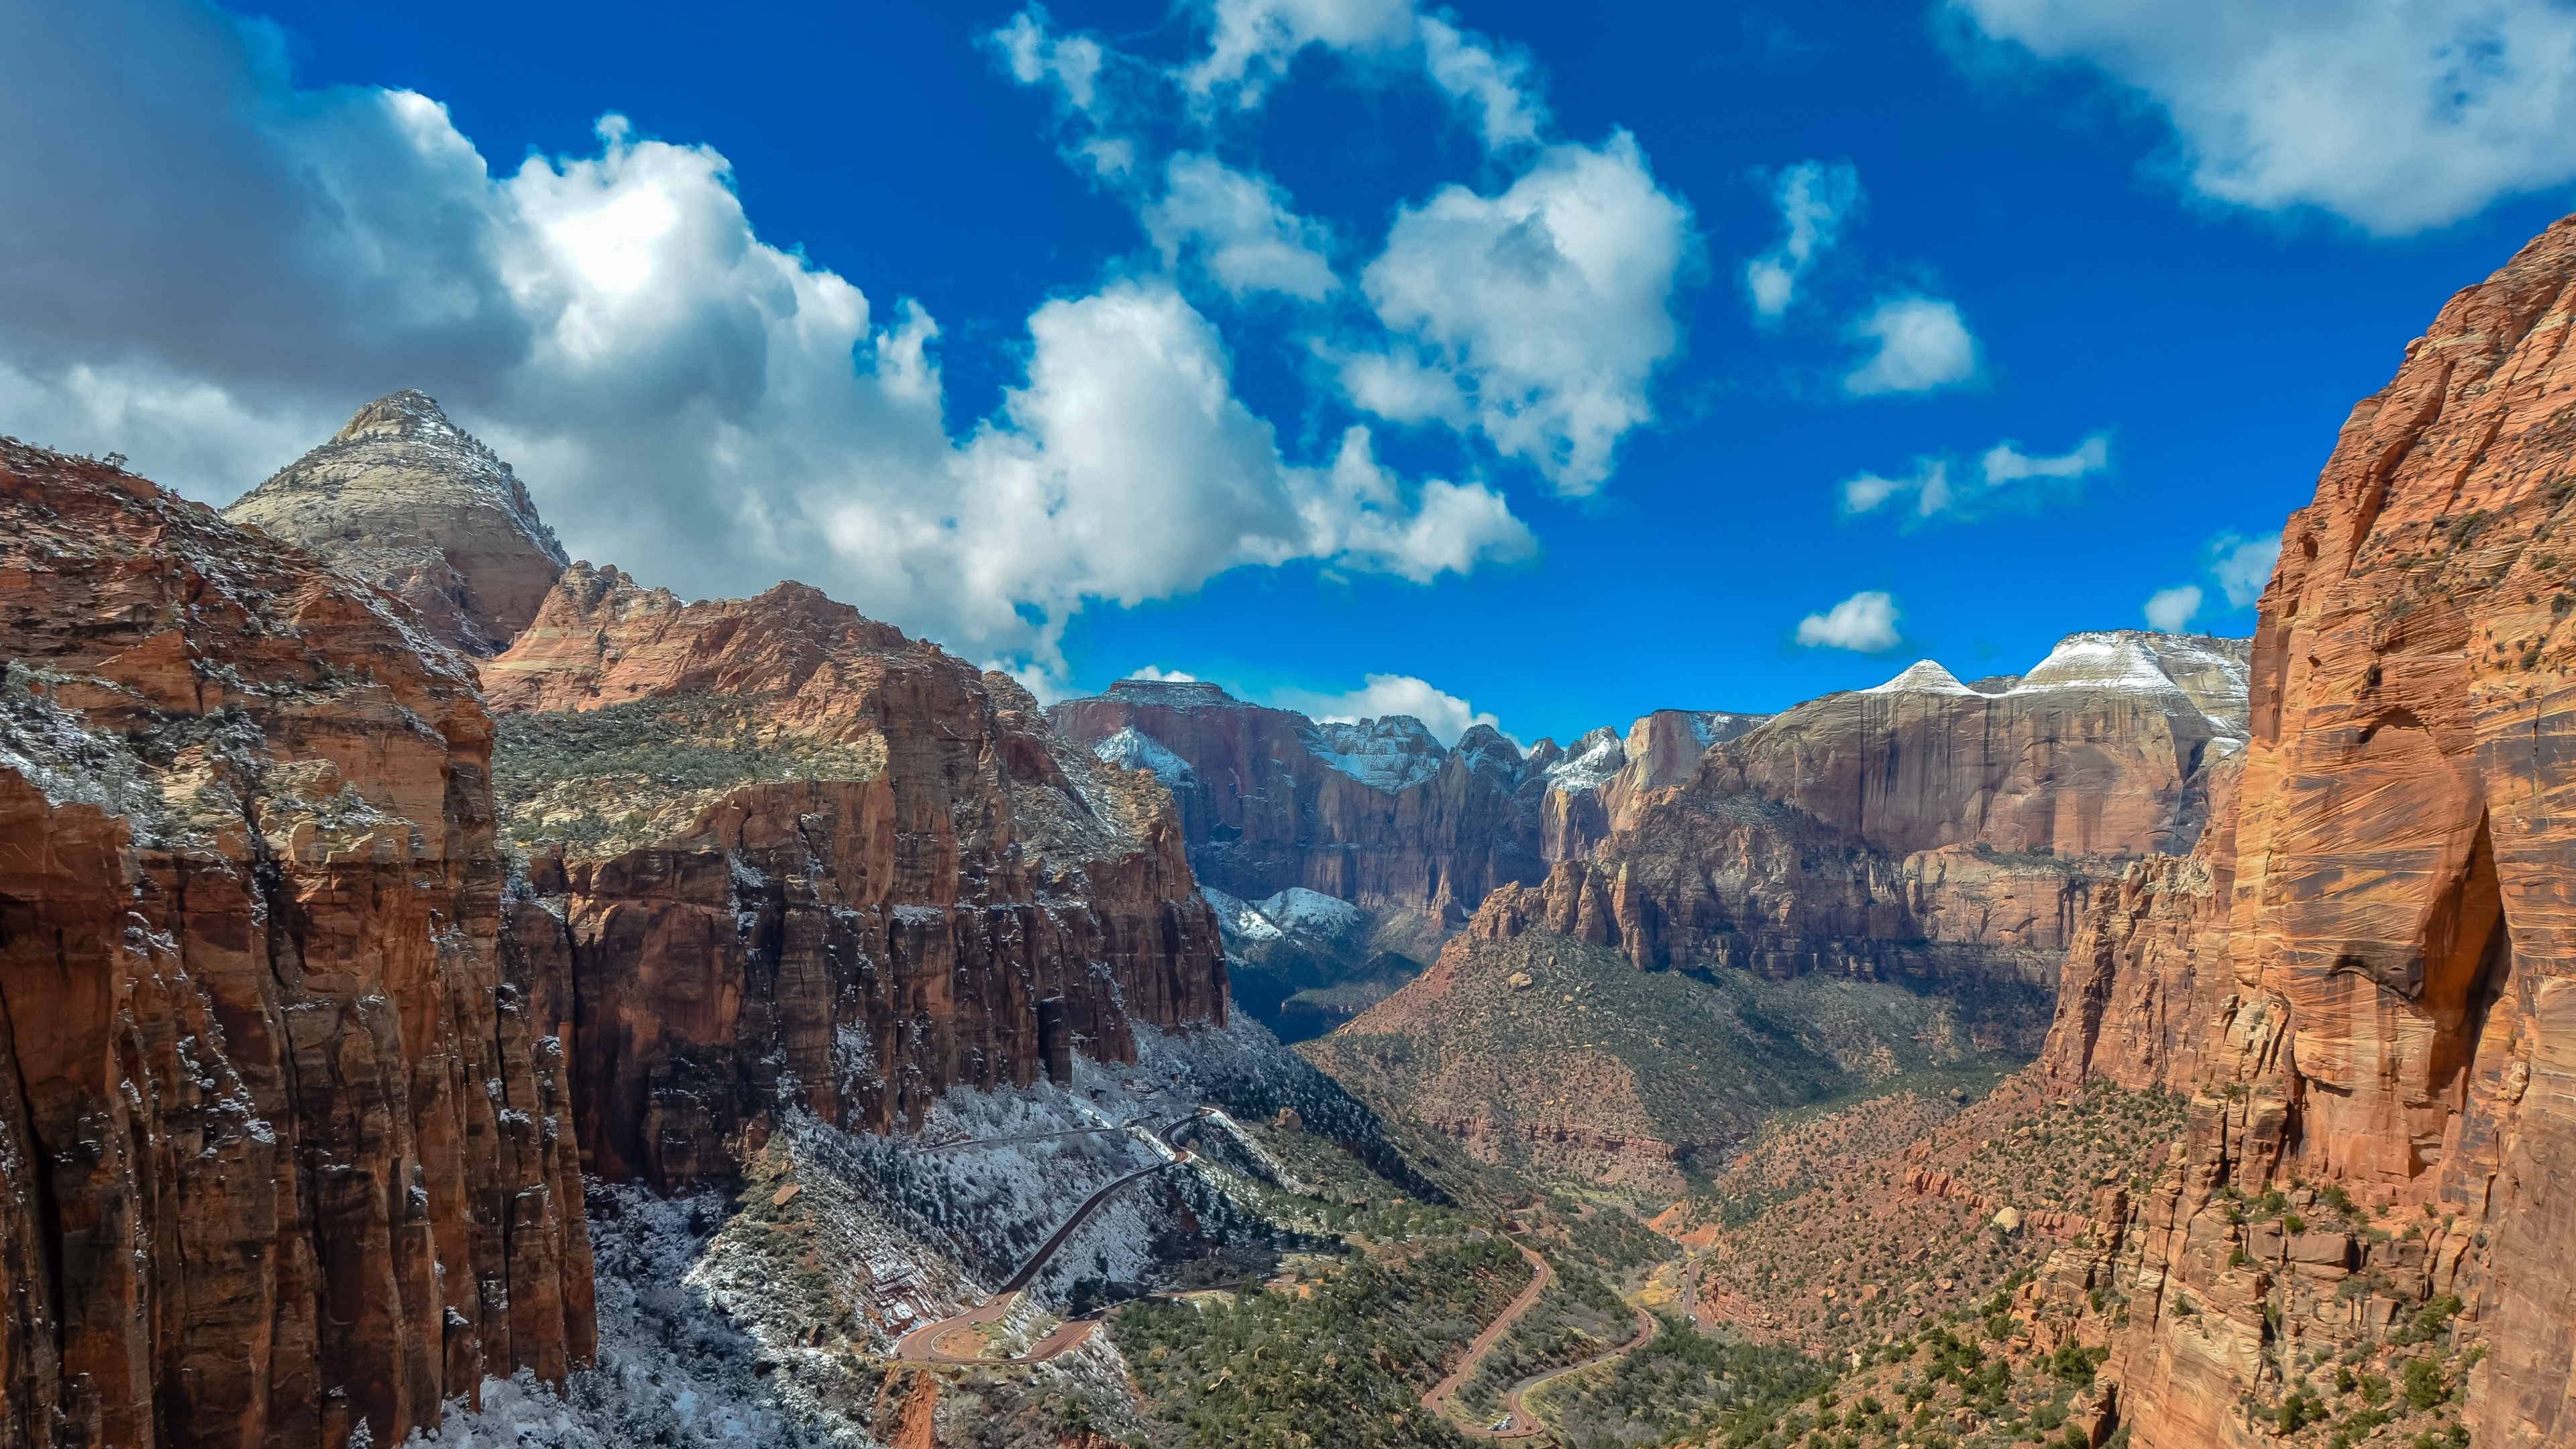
(1131, 749)
(1923, 676)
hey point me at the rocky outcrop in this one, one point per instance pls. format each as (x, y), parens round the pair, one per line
(1375, 812)
(2392, 1049)
(285, 1151)
(404, 500)
(785, 859)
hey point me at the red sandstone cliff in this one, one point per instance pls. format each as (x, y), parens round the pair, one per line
(788, 859)
(1376, 812)
(282, 1151)
(2396, 1020)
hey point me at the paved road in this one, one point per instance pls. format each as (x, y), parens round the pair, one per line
(922, 1345)
(1442, 1392)
(1519, 1422)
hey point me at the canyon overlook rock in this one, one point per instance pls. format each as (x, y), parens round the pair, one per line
(784, 857)
(285, 1146)
(404, 500)
(2369, 984)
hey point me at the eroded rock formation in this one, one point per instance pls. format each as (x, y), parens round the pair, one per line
(284, 1149)
(787, 859)
(1377, 813)
(405, 500)
(2392, 1045)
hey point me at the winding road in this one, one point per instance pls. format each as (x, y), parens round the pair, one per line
(1517, 1421)
(922, 1345)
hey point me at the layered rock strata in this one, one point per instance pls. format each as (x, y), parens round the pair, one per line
(1919, 828)
(405, 500)
(2392, 1046)
(1377, 812)
(785, 859)
(285, 1153)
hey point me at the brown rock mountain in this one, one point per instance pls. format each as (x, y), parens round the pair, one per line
(284, 1148)
(2370, 989)
(405, 500)
(1918, 828)
(1377, 812)
(788, 857)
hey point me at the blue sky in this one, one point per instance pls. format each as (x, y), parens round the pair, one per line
(1046, 332)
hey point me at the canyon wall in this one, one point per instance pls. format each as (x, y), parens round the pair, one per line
(1921, 828)
(1377, 812)
(2388, 1039)
(785, 859)
(284, 1152)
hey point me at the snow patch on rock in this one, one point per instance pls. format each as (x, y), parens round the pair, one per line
(1131, 749)
(1592, 763)
(1390, 754)
(1313, 914)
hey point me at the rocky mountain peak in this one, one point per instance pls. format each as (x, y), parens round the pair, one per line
(404, 499)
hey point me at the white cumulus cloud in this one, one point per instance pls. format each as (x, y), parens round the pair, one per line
(2243, 566)
(1252, 43)
(1444, 714)
(1240, 228)
(1166, 676)
(1922, 346)
(2398, 115)
(685, 399)
(1547, 307)
(1814, 200)
(2171, 610)
(1865, 623)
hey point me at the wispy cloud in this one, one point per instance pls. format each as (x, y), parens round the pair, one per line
(1815, 199)
(1939, 487)
(1922, 345)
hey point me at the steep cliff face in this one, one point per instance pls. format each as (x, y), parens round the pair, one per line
(405, 500)
(786, 859)
(2393, 1047)
(1377, 813)
(1918, 828)
(284, 1151)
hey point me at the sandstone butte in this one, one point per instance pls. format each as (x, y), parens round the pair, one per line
(282, 1136)
(403, 499)
(2367, 983)
(897, 879)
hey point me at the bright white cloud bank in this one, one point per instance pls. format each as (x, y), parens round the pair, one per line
(1922, 345)
(688, 401)
(1865, 622)
(1444, 714)
(2398, 115)
(1536, 315)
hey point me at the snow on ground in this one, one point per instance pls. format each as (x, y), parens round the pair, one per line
(1313, 914)
(757, 1321)
(1132, 749)
(1923, 676)
(1237, 920)
(1590, 765)
(1394, 753)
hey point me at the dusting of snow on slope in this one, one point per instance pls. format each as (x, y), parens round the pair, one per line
(743, 1322)
(1390, 754)
(2211, 676)
(1591, 764)
(1923, 676)
(1301, 912)
(1237, 920)
(1131, 750)
(1486, 750)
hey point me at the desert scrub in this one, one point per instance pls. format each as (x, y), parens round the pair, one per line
(608, 780)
